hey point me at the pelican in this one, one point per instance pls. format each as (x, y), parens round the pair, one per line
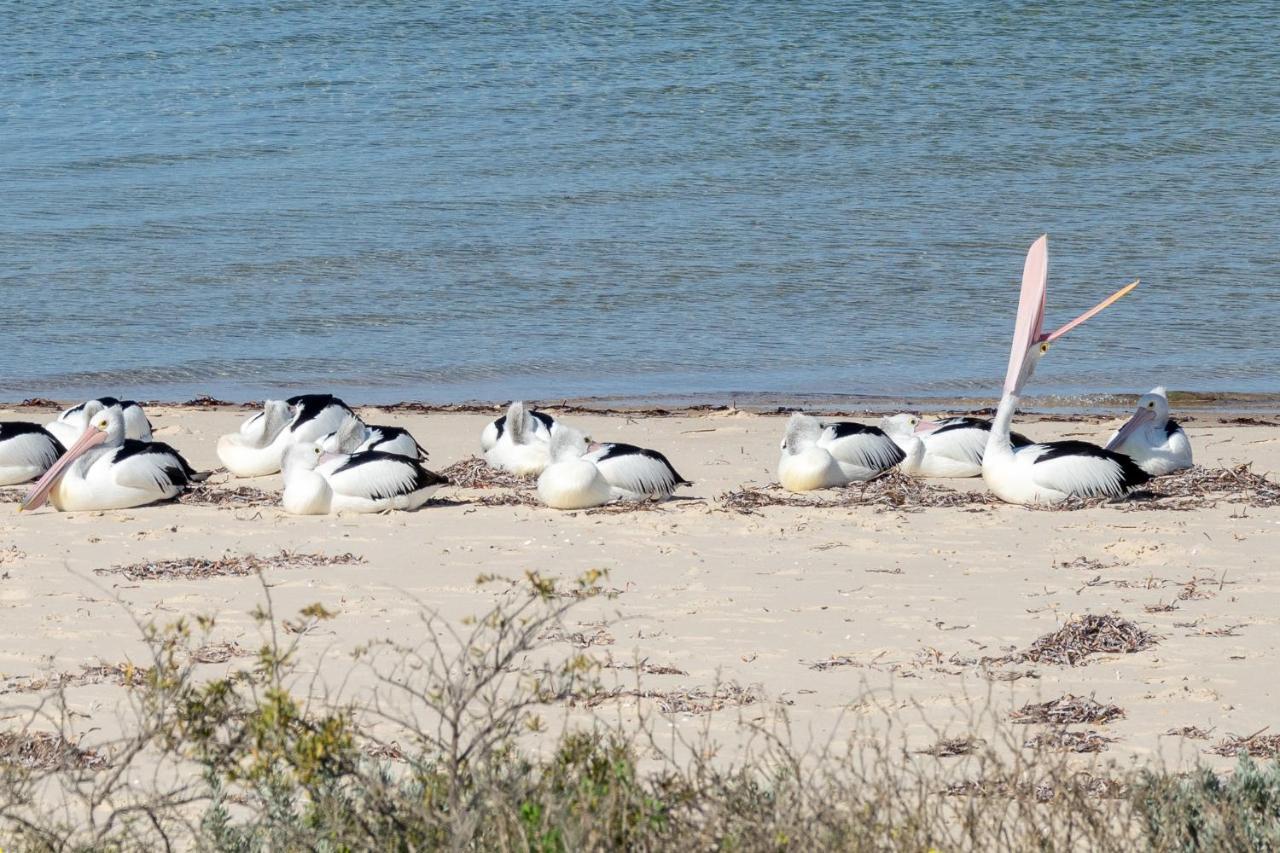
(1052, 472)
(635, 473)
(1153, 439)
(819, 456)
(257, 448)
(947, 448)
(571, 480)
(71, 424)
(26, 451)
(542, 427)
(355, 435)
(105, 470)
(320, 483)
(524, 445)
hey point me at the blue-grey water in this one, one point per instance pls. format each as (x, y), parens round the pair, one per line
(446, 201)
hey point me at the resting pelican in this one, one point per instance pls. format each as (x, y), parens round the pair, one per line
(524, 446)
(319, 483)
(1051, 472)
(355, 435)
(571, 480)
(542, 428)
(71, 424)
(1153, 439)
(947, 448)
(257, 448)
(818, 456)
(636, 473)
(26, 451)
(105, 470)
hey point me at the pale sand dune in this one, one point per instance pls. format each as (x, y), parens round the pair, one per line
(752, 599)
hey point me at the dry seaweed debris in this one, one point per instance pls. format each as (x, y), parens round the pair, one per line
(46, 751)
(205, 494)
(193, 568)
(1238, 484)
(1084, 636)
(1256, 745)
(219, 653)
(124, 674)
(474, 473)
(952, 746)
(1065, 740)
(1189, 732)
(1066, 710)
(1097, 787)
(678, 701)
(894, 491)
(11, 496)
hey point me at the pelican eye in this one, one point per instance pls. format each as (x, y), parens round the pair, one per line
(1151, 405)
(317, 451)
(102, 424)
(1044, 347)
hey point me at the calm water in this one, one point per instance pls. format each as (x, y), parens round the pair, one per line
(445, 201)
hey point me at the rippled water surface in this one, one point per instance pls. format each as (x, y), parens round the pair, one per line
(445, 201)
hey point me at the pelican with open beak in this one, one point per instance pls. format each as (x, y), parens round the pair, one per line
(105, 470)
(1152, 439)
(1052, 472)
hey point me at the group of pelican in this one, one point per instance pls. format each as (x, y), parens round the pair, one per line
(101, 454)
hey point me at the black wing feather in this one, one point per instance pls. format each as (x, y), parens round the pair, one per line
(1131, 476)
(617, 448)
(312, 405)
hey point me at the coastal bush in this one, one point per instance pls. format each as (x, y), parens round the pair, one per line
(252, 761)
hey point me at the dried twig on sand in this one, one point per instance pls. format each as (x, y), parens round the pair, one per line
(678, 701)
(1256, 745)
(46, 751)
(893, 491)
(125, 674)
(219, 653)
(949, 747)
(1098, 787)
(194, 568)
(1189, 732)
(1238, 484)
(206, 494)
(474, 473)
(1087, 635)
(1066, 710)
(1064, 740)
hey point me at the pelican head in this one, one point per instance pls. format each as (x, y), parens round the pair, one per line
(803, 432)
(104, 426)
(1152, 411)
(567, 444)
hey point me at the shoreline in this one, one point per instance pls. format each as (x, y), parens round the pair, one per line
(1185, 404)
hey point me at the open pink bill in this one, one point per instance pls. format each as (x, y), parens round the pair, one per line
(1028, 330)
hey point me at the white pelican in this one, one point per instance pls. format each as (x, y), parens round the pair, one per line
(635, 473)
(1153, 439)
(818, 456)
(524, 445)
(319, 483)
(1051, 472)
(105, 470)
(26, 451)
(70, 425)
(946, 448)
(571, 480)
(542, 428)
(355, 435)
(257, 448)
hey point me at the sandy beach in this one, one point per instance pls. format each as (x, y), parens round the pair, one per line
(843, 616)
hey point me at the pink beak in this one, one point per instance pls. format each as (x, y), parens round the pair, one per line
(329, 457)
(594, 446)
(1140, 419)
(926, 426)
(39, 493)
(1028, 331)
